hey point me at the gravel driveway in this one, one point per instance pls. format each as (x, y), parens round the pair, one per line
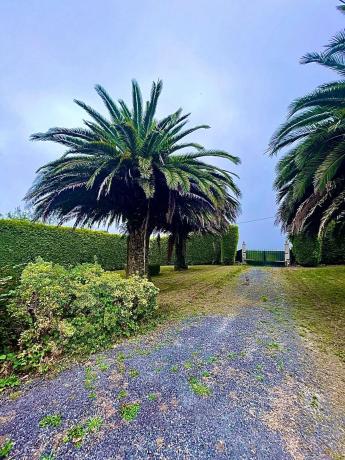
(213, 387)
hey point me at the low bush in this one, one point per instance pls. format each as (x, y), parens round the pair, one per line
(306, 249)
(75, 310)
(229, 244)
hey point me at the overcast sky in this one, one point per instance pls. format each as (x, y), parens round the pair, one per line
(233, 64)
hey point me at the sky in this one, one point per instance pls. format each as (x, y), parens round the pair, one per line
(234, 65)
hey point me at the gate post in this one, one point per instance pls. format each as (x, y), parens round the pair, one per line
(287, 253)
(244, 252)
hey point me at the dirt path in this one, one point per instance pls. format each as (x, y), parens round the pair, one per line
(243, 386)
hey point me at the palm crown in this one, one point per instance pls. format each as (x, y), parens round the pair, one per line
(128, 168)
(311, 175)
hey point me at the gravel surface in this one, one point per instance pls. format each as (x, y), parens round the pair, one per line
(211, 387)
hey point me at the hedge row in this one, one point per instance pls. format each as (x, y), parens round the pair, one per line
(24, 241)
(306, 249)
(229, 244)
(333, 246)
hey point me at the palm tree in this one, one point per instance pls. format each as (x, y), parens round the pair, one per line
(200, 217)
(311, 176)
(126, 169)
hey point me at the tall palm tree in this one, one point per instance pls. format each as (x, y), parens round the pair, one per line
(126, 169)
(311, 176)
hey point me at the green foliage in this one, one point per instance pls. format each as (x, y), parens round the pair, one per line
(199, 388)
(306, 249)
(229, 244)
(5, 448)
(76, 310)
(130, 411)
(53, 420)
(78, 432)
(23, 241)
(10, 381)
(333, 245)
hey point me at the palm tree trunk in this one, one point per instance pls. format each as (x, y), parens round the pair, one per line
(180, 252)
(138, 247)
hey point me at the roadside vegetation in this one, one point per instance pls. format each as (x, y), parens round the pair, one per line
(318, 295)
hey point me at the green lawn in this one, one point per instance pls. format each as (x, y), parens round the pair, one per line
(318, 295)
(202, 289)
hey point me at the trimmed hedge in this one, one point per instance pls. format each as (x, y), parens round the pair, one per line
(229, 244)
(333, 246)
(306, 249)
(23, 241)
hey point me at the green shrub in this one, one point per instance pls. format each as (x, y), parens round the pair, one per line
(306, 249)
(229, 244)
(333, 245)
(76, 310)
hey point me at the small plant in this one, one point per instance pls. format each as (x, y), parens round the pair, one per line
(53, 420)
(122, 394)
(188, 365)
(174, 368)
(314, 402)
(50, 456)
(134, 373)
(199, 388)
(280, 365)
(232, 355)
(206, 374)
(259, 375)
(102, 365)
(152, 397)
(9, 382)
(211, 359)
(273, 346)
(90, 378)
(6, 448)
(77, 433)
(94, 424)
(92, 395)
(263, 298)
(130, 411)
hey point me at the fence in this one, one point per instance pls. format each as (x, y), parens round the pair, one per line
(266, 257)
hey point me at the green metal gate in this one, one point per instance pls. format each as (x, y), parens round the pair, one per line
(273, 258)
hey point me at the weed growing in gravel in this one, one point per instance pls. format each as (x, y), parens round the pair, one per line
(102, 365)
(211, 359)
(142, 352)
(6, 448)
(130, 411)
(152, 397)
(47, 457)
(90, 378)
(15, 395)
(77, 433)
(53, 420)
(92, 395)
(263, 298)
(188, 365)
(280, 365)
(93, 424)
(314, 402)
(206, 374)
(273, 346)
(174, 368)
(232, 355)
(122, 394)
(133, 373)
(199, 388)
(259, 375)
(120, 360)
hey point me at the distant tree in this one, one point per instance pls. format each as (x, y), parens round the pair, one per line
(126, 169)
(311, 175)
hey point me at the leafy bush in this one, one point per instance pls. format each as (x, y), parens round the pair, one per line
(306, 249)
(333, 245)
(76, 310)
(229, 244)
